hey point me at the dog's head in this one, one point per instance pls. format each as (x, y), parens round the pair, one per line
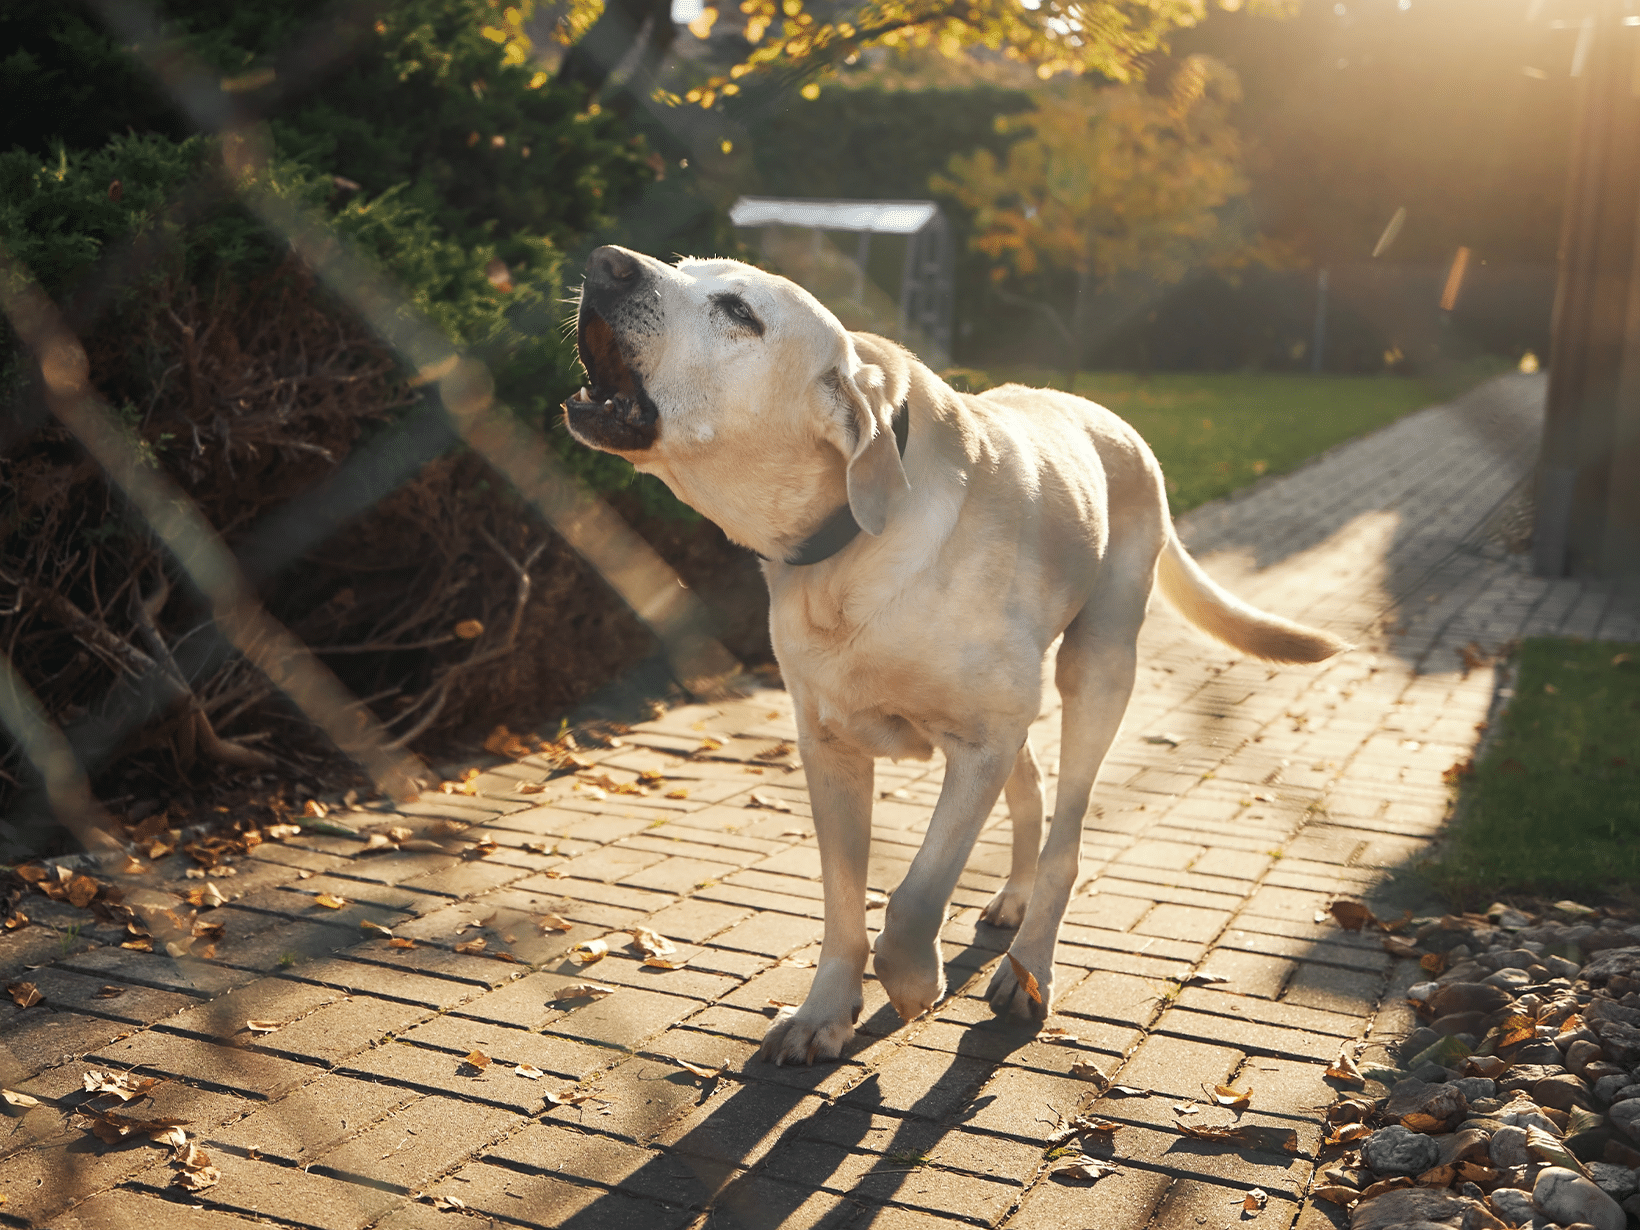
(739, 390)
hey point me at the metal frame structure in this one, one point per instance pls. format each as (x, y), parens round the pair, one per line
(927, 277)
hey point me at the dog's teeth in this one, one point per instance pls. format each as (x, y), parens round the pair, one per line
(610, 404)
(583, 395)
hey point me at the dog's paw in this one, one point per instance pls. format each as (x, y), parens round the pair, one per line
(1016, 990)
(1007, 908)
(912, 974)
(798, 1038)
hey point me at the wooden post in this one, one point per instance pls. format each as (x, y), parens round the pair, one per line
(1588, 482)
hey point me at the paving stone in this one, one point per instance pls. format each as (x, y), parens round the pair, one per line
(509, 1047)
(1331, 989)
(412, 1146)
(771, 935)
(129, 1210)
(293, 1195)
(206, 1063)
(1178, 1066)
(626, 1018)
(301, 1126)
(186, 975)
(341, 1030)
(1113, 997)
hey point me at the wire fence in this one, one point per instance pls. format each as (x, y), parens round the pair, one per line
(163, 935)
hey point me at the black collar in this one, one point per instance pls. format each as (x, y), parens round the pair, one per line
(839, 529)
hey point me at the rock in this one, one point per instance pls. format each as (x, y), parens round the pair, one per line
(1566, 1037)
(1581, 1054)
(1632, 1206)
(1621, 1154)
(1606, 1088)
(1538, 973)
(1421, 1207)
(1512, 1205)
(1602, 1009)
(1398, 1150)
(1525, 1075)
(1621, 1042)
(1618, 1182)
(1564, 1196)
(1563, 1092)
(1605, 939)
(1445, 1104)
(1474, 1024)
(1560, 967)
(1510, 958)
(1418, 1041)
(1469, 1145)
(1464, 971)
(1508, 1147)
(1431, 1073)
(1602, 1068)
(1509, 979)
(1625, 961)
(1626, 1115)
(1541, 1052)
(1475, 1088)
(1459, 997)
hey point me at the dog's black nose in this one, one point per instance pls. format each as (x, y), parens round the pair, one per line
(611, 266)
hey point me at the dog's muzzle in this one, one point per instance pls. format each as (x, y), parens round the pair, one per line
(611, 411)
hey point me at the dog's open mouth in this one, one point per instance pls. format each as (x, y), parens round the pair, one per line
(611, 411)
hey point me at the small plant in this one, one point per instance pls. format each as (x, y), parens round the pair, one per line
(286, 960)
(69, 937)
(905, 1159)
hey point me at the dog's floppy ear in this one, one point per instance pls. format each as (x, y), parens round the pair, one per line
(865, 409)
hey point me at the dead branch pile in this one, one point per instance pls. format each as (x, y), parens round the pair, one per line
(446, 603)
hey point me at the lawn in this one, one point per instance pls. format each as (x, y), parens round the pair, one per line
(1217, 431)
(1553, 806)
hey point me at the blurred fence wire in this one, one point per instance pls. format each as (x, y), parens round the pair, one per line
(457, 385)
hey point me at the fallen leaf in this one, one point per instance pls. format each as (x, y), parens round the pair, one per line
(1255, 1200)
(1235, 1099)
(469, 629)
(1090, 1072)
(1343, 1069)
(173, 1136)
(798, 962)
(1127, 1091)
(1254, 1137)
(569, 1097)
(663, 963)
(589, 951)
(1351, 915)
(652, 943)
(1438, 1176)
(21, 1101)
(529, 1072)
(1203, 979)
(189, 1155)
(24, 994)
(110, 992)
(682, 792)
(1384, 1185)
(551, 922)
(15, 920)
(1081, 1125)
(366, 925)
(121, 1085)
(399, 941)
(477, 1059)
(1349, 1134)
(1027, 980)
(1085, 1168)
(705, 1073)
(1335, 1193)
(1434, 962)
(1515, 1030)
(1397, 947)
(768, 801)
(1186, 1108)
(197, 1180)
(473, 948)
(278, 832)
(1544, 1147)
(582, 990)
(329, 901)
(263, 1027)
(1417, 1121)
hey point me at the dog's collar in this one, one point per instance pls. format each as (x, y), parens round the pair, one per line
(839, 529)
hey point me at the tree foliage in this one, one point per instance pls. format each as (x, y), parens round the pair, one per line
(1111, 180)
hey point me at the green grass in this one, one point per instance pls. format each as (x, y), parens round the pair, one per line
(1553, 807)
(1216, 431)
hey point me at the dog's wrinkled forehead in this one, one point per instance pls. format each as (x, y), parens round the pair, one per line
(780, 304)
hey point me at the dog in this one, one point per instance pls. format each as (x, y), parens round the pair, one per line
(924, 550)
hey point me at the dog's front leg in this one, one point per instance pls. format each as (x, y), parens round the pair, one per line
(840, 783)
(908, 960)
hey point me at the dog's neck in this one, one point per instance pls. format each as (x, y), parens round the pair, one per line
(840, 529)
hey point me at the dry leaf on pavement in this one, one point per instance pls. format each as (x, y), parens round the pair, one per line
(263, 1027)
(366, 925)
(477, 1059)
(663, 963)
(569, 1097)
(582, 990)
(528, 1071)
(1083, 1167)
(700, 1070)
(551, 922)
(768, 801)
(329, 901)
(24, 994)
(473, 948)
(1235, 1099)
(1351, 915)
(588, 951)
(121, 1085)
(1081, 1125)
(796, 962)
(1203, 979)
(1255, 1200)
(652, 943)
(197, 1180)
(1091, 1072)
(21, 1101)
(399, 941)
(1343, 1069)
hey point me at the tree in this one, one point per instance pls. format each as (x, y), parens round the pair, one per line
(1111, 180)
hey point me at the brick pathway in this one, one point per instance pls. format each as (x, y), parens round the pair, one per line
(1274, 791)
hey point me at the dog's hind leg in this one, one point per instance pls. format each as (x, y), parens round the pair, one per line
(1024, 795)
(840, 784)
(1095, 673)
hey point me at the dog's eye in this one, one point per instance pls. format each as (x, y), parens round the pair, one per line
(735, 308)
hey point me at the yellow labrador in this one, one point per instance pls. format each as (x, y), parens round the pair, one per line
(992, 526)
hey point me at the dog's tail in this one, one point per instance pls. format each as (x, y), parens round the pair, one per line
(1225, 617)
